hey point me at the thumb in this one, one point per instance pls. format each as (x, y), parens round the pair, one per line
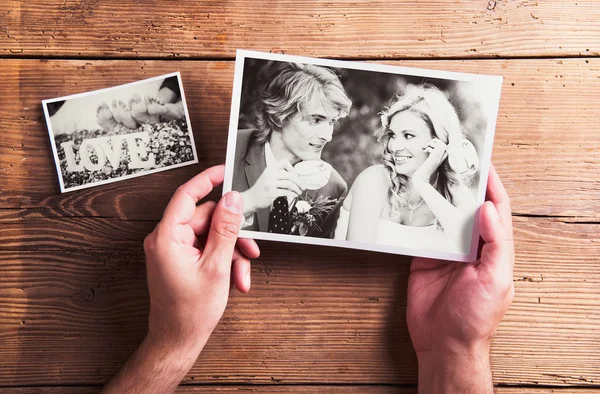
(224, 229)
(496, 253)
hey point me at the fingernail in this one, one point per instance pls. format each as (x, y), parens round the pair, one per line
(247, 279)
(233, 202)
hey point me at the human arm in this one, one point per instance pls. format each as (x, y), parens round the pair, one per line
(454, 308)
(368, 198)
(456, 219)
(188, 282)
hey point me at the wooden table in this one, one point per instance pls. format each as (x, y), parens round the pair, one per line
(73, 298)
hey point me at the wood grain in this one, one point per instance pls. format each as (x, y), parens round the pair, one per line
(249, 389)
(73, 297)
(298, 389)
(72, 316)
(40, 233)
(547, 148)
(357, 29)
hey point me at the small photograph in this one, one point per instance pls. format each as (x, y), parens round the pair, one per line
(358, 155)
(120, 132)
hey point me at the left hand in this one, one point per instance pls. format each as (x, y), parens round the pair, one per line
(437, 150)
(189, 271)
(189, 275)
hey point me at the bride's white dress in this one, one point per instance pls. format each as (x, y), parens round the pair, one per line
(400, 235)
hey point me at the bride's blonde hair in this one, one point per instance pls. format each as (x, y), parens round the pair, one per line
(433, 106)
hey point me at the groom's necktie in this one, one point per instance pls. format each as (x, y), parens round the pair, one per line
(279, 218)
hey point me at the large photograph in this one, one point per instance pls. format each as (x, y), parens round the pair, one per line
(361, 155)
(120, 132)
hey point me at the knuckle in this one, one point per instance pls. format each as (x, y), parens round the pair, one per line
(149, 243)
(216, 271)
(179, 189)
(161, 231)
(227, 229)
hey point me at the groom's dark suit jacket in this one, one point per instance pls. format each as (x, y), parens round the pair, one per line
(250, 162)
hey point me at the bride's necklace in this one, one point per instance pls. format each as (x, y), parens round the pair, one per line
(412, 209)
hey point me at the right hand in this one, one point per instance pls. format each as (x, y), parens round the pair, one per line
(454, 308)
(279, 180)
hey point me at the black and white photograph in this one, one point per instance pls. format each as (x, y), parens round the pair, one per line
(361, 155)
(120, 132)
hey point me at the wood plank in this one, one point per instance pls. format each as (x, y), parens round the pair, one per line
(314, 315)
(297, 389)
(24, 230)
(40, 233)
(340, 28)
(547, 148)
(241, 389)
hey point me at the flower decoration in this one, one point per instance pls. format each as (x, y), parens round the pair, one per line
(307, 212)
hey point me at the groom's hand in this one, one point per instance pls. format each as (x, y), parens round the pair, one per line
(279, 180)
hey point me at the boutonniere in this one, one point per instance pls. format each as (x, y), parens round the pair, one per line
(307, 212)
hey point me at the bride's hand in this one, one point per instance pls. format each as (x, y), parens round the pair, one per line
(437, 150)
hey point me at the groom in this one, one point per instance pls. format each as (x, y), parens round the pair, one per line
(298, 106)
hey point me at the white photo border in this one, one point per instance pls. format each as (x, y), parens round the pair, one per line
(495, 82)
(99, 91)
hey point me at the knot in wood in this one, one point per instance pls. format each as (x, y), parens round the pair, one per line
(89, 295)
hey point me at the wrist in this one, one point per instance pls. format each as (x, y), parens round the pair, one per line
(419, 183)
(464, 369)
(155, 367)
(181, 354)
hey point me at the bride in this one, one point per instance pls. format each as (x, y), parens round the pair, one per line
(418, 197)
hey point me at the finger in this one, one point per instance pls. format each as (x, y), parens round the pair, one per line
(432, 143)
(290, 195)
(182, 206)
(291, 175)
(199, 242)
(497, 254)
(200, 222)
(285, 164)
(248, 247)
(224, 229)
(496, 193)
(240, 272)
(424, 264)
(289, 185)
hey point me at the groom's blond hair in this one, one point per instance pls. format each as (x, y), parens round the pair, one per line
(288, 89)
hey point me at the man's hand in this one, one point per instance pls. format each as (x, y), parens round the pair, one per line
(455, 308)
(275, 181)
(191, 260)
